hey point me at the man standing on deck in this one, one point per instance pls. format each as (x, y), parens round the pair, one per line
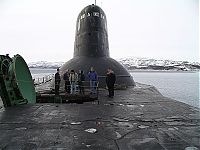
(73, 79)
(110, 81)
(67, 82)
(57, 82)
(81, 79)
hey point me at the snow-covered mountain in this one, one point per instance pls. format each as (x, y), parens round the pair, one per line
(155, 64)
(45, 64)
(135, 64)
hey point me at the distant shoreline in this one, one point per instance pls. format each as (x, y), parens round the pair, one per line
(165, 71)
(140, 70)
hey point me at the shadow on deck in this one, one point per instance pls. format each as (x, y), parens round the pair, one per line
(66, 98)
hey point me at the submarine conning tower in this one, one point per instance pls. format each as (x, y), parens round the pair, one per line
(91, 48)
(91, 33)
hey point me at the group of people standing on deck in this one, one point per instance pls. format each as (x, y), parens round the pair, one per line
(72, 79)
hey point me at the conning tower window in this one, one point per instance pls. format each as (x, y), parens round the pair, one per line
(102, 16)
(82, 16)
(96, 14)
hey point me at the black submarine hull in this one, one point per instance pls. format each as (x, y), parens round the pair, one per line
(100, 65)
(91, 48)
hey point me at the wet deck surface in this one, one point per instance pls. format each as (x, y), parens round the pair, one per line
(135, 119)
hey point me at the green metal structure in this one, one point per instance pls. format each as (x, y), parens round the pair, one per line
(16, 84)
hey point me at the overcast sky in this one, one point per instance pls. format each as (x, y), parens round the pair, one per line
(45, 29)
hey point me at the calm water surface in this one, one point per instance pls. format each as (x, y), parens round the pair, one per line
(181, 86)
(38, 73)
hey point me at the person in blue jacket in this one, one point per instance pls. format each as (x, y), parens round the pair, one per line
(92, 75)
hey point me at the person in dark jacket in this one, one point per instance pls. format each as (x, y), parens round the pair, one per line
(67, 83)
(81, 79)
(110, 82)
(57, 82)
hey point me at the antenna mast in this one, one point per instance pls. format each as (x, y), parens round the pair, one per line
(95, 2)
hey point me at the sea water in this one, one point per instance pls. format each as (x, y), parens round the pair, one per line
(181, 86)
(39, 73)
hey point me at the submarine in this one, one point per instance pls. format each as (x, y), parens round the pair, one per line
(137, 118)
(91, 48)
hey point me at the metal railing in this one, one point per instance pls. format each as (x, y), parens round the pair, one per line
(83, 88)
(81, 93)
(43, 84)
(41, 80)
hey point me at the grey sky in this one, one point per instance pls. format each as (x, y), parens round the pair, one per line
(45, 29)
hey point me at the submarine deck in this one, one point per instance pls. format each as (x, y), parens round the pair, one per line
(135, 119)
